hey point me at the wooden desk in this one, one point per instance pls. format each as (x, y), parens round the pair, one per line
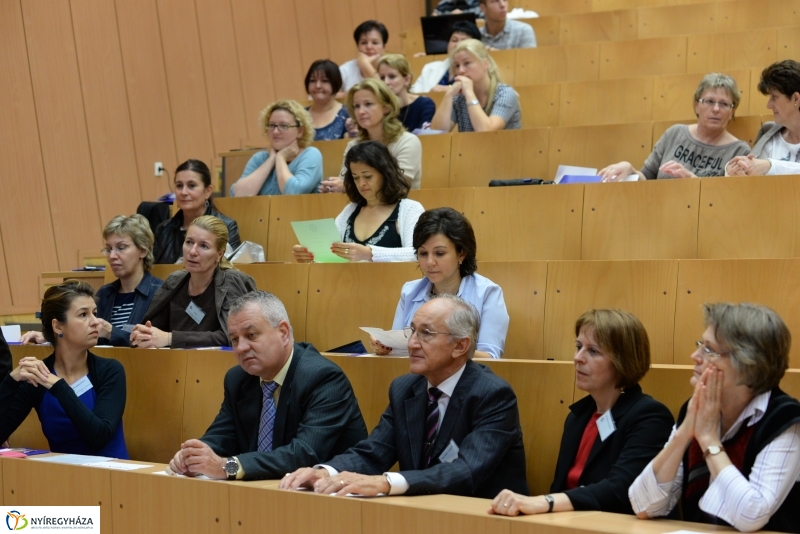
(129, 499)
(93, 278)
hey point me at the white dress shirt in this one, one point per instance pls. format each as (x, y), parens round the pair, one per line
(399, 484)
(746, 504)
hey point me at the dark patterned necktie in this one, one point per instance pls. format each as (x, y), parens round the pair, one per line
(431, 424)
(267, 422)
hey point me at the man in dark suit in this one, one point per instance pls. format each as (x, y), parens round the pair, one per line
(285, 405)
(452, 424)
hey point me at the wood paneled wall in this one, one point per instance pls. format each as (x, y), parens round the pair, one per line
(93, 93)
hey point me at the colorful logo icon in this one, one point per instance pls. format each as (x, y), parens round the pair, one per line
(18, 519)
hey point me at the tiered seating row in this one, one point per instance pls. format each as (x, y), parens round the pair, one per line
(186, 392)
(543, 298)
(738, 217)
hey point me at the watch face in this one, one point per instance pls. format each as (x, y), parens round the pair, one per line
(231, 467)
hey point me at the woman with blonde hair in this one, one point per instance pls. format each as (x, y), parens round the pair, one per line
(129, 252)
(375, 109)
(191, 308)
(295, 167)
(478, 100)
(416, 111)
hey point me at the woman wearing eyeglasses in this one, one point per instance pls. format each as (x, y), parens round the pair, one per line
(734, 455)
(696, 150)
(129, 252)
(290, 166)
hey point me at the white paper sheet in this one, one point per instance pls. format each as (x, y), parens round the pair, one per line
(73, 459)
(574, 171)
(11, 333)
(119, 466)
(391, 338)
(198, 477)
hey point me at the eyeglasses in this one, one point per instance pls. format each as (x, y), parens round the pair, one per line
(708, 354)
(119, 249)
(711, 103)
(425, 336)
(281, 127)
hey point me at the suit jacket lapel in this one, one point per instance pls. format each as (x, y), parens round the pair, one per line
(284, 401)
(453, 413)
(624, 402)
(415, 421)
(249, 410)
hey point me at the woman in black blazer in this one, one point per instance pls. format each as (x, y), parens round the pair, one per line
(611, 434)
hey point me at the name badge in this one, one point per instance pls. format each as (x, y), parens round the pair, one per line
(605, 425)
(82, 386)
(450, 453)
(194, 311)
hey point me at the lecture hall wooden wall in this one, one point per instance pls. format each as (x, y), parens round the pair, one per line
(93, 92)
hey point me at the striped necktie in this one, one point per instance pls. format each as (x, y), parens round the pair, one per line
(431, 423)
(267, 423)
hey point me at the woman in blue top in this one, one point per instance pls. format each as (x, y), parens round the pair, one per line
(329, 116)
(123, 302)
(295, 167)
(416, 111)
(78, 396)
(446, 252)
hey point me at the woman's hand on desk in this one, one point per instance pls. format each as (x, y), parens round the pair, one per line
(352, 251)
(146, 336)
(617, 172)
(301, 254)
(378, 348)
(32, 337)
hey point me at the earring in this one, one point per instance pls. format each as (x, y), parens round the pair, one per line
(60, 334)
(207, 204)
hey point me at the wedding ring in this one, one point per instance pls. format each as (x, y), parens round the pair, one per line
(342, 482)
(505, 505)
(347, 251)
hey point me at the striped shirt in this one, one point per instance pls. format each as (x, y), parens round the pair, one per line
(122, 309)
(506, 106)
(747, 504)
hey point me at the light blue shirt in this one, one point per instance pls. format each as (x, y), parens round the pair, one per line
(485, 295)
(306, 172)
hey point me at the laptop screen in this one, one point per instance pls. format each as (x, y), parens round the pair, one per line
(436, 31)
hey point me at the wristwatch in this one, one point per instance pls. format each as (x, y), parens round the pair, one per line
(231, 467)
(713, 450)
(473, 102)
(550, 501)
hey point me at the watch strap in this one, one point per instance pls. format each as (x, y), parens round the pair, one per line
(550, 502)
(717, 449)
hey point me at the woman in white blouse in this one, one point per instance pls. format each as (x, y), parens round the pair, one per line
(734, 454)
(378, 223)
(777, 146)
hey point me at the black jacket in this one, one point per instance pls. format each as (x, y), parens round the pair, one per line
(643, 426)
(168, 247)
(5, 358)
(317, 417)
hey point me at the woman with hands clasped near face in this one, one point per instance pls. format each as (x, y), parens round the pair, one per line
(446, 253)
(734, 454)
(375, 109)
(371, 37)
(415, 111)
(191, 308)
(477, 101)
(293, 167)
(378, 223)
(694, 151)
(79, 397)
(611, 434)
(777, 146)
